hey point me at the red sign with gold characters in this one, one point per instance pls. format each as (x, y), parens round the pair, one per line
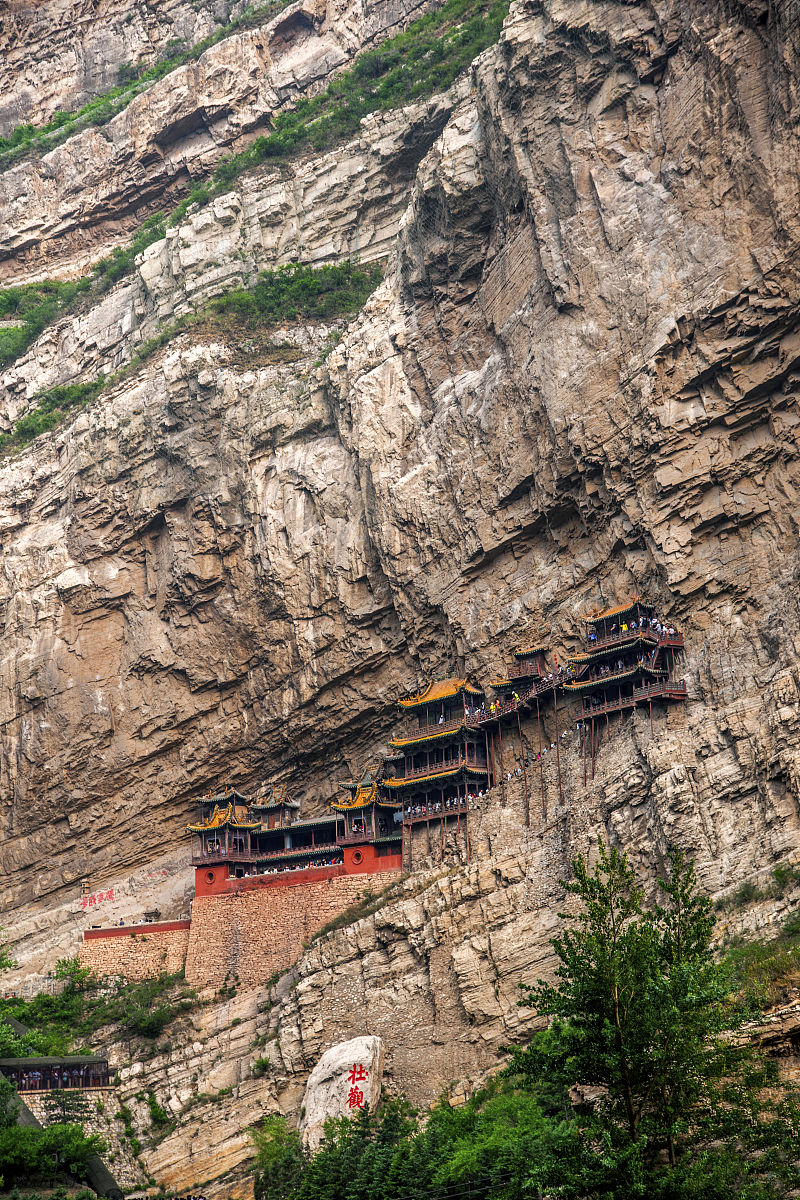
(355, 1097)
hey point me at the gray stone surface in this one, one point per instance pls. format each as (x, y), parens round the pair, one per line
(347, 1078)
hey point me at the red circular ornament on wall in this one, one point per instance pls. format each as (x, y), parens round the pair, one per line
(357, 856)
(210, 876)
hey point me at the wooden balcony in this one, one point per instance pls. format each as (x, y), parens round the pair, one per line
(438, 768)
(652, 636)
(411, 730)
(430, 813)
(358, 839)
(663, 689)
(240, 856)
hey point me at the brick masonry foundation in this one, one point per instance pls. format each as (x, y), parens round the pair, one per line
(136, 952)
(260, 928)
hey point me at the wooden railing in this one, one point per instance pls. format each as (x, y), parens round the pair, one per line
(650, 635)
(430, 811)
(217, 856)
(521, 671)
(419, 731)
(438, 768)
(675, 688)
(223, 855)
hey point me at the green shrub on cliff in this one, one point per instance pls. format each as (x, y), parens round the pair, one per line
(28, 1154)
(289, 292)
(63, 1023)
(295, 290)
(133, 78)
(26, 311)
(426, 58)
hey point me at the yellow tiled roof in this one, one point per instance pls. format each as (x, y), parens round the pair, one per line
(626, 606)
(221, 817)
(442, 689)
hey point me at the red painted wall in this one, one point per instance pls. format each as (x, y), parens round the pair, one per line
(364, 860)
(358, 860)
(126, 930)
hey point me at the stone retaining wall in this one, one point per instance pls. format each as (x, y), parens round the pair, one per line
(252, 933)
(102, 1119)
(136, 952)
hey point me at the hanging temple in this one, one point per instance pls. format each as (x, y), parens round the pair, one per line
(447, 752)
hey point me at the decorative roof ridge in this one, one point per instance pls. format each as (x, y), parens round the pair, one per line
(526, 651)
(618, 609)
(440, 689)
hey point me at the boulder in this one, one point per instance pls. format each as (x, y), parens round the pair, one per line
(346, 1079)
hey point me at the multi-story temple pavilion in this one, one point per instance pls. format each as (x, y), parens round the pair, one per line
(628, 661)
(439, 756)
(237, 838)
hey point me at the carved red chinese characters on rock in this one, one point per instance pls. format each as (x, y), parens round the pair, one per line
(355, 1097)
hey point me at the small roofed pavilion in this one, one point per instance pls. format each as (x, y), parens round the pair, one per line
(368, 820)
(225, 829)
(528, 678)
(273, 806)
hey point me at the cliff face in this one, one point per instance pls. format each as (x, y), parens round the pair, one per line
(578, 379)
(62, 54)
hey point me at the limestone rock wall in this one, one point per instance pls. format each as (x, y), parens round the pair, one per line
(230, 566)
(62, 53)
(579, 379)
(346, 204)
(93, 190)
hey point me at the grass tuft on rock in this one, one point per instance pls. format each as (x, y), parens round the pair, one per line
(26, 311)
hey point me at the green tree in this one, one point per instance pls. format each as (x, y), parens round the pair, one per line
(7, 963)
(27, 1153)
(280, 1159)
(643, 1014)
(65, 1106)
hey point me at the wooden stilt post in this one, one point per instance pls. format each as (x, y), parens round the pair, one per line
(494, 773)
(583, 741)
(593, 748)
(558, 751)
(502, 770)
(524, 772)
(486, 736)
(541, 763)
